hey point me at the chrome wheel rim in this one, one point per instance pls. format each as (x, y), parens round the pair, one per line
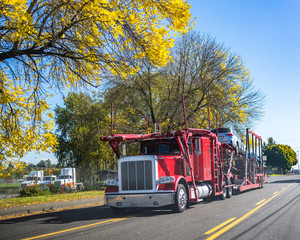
(182, 198)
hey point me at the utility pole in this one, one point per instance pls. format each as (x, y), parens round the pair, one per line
(298, 162)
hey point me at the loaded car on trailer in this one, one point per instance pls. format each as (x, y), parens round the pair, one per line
(229, 136)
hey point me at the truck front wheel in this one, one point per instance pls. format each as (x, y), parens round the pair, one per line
(181, 199)
(224, 193)
(80, 187)
(67, 188)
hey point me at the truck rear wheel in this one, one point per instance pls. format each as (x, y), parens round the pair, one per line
(181, 199)
(224, 192)
(229, 190)
(223, 195)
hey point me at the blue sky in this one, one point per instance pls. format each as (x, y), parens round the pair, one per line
(266, 35)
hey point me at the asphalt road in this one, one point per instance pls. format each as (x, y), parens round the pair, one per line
(269, 213)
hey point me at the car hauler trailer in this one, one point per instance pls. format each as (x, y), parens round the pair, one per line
(248, 168)
(178, 168)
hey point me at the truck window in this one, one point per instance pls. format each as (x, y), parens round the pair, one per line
(160, 147)
(198, 147)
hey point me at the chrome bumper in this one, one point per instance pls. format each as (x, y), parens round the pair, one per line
(140, 200)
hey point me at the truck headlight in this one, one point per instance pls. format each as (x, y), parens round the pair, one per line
(111, 182)
(165, 180)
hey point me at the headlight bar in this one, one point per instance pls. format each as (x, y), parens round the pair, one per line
(166, 179)
(112, 182)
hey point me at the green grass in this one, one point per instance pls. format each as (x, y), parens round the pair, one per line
(8, 188)
(14, 202)
(274, 175)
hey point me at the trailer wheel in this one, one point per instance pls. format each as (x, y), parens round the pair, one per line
(261, 184)
(181, 199)
(229, 190)
(118, 210)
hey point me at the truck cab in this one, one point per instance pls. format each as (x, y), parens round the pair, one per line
(67, 180)
(48, 180)
(34, 178)
(167, 169)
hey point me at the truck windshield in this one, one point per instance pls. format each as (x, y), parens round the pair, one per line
(221, 130)
(64, 177)
(31, 178)
(160, 147)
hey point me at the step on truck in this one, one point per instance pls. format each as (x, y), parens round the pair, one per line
(179, 168)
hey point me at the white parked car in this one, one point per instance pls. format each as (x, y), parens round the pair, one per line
(229, 136)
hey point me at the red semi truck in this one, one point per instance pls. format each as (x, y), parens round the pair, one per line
(180, 167)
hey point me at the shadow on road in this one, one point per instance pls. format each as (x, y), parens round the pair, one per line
(286, 181)
(88, 214)
(85, 214)
(67, 216)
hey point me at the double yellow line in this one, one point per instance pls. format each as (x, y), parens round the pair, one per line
(232, 224)
(76, 228)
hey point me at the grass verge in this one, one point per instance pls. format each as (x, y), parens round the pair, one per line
(9, 188)
(276, 174)
(25, 201)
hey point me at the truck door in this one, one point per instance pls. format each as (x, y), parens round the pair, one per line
(187, 167)
(202, 159)
(196, 157)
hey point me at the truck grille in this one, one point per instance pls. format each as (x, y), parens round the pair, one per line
(136, 175)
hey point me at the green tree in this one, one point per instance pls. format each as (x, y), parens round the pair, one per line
(41, 164)
(80, 123)
(48, 163)
(270, 142)
(204, 72)
(281, 157)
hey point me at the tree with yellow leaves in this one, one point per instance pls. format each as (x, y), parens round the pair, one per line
(50, 44)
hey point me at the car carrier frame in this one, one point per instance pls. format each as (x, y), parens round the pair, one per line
(181, 167)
